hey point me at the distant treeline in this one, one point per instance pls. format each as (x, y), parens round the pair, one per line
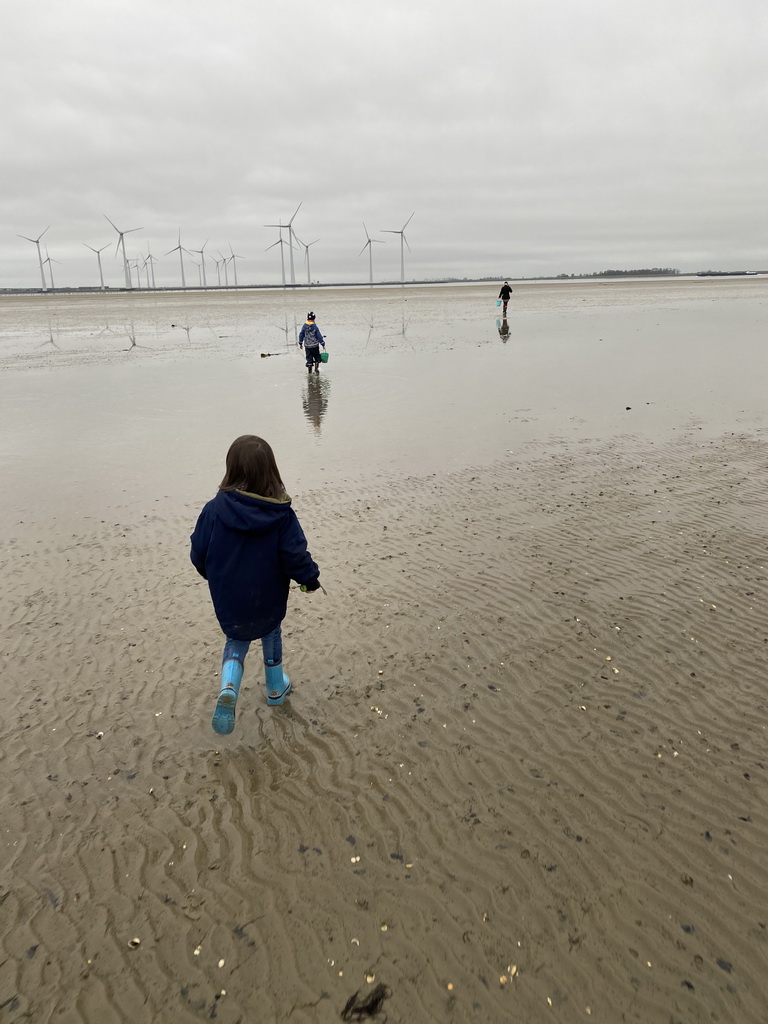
(645, 272)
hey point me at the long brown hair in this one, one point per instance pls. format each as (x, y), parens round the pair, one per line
(251, 467)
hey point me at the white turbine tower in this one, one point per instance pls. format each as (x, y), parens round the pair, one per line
(121, 244)
(401, 232)
(234, 258)
(291, 236)
(369, 246)
(306, 246)
(181, 259)
(201, 251)
(36, 241)
(98, 257)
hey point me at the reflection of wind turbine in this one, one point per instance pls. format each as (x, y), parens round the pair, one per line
(98, 257)
(401, 232)
(369, 246)
(202, 261)
(36, 241)
(306, 257)
(291, 237)
(121, 244)
(234, 258)
(50, 263)
(181, 259)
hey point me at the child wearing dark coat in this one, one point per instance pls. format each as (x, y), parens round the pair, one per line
(248, 544)
(310, 339)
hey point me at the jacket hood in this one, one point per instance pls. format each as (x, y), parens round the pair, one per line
(249, 512)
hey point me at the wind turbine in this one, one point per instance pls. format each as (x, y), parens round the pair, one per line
(36, 241)
(306, 258)
(98, 257)
(224, 260)
(151, 261)
(121, 244)
(137, 265)
(281, 242)
(401, 232)
(369, 246)
(49, 261)
(202, 260)
(291, 236)
(234, 257)
(181, 259)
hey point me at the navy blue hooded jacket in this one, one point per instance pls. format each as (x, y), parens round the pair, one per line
(310, 336)
(249, 548)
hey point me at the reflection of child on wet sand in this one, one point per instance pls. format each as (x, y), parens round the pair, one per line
(315, 399)
(311, 339)
(503, 327)
(249, 545)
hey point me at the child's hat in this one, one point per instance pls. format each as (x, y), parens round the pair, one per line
(310, 316)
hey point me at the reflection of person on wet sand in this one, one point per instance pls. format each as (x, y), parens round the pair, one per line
(503, 327)
(315, 399)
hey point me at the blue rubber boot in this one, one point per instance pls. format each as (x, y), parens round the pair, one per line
(278, 684)
(224, 716)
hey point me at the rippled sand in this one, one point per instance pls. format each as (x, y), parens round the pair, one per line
(522, 769)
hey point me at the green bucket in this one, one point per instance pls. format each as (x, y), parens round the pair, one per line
(323, 357)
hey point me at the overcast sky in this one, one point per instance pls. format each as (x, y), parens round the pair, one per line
(528, 137)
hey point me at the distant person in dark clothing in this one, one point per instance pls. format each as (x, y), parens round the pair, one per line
(504, 294)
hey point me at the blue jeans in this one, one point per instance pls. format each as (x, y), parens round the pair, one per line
(271, 645)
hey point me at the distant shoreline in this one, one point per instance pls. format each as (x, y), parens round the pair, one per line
(557, 278)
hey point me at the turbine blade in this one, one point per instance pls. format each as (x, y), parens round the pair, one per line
(406, 243)
(408, 221)
(296, 211)
(117, 229)
(364, 247)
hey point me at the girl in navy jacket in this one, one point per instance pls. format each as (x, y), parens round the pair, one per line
(249, 545)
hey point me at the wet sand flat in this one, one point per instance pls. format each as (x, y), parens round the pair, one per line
(522, 774)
